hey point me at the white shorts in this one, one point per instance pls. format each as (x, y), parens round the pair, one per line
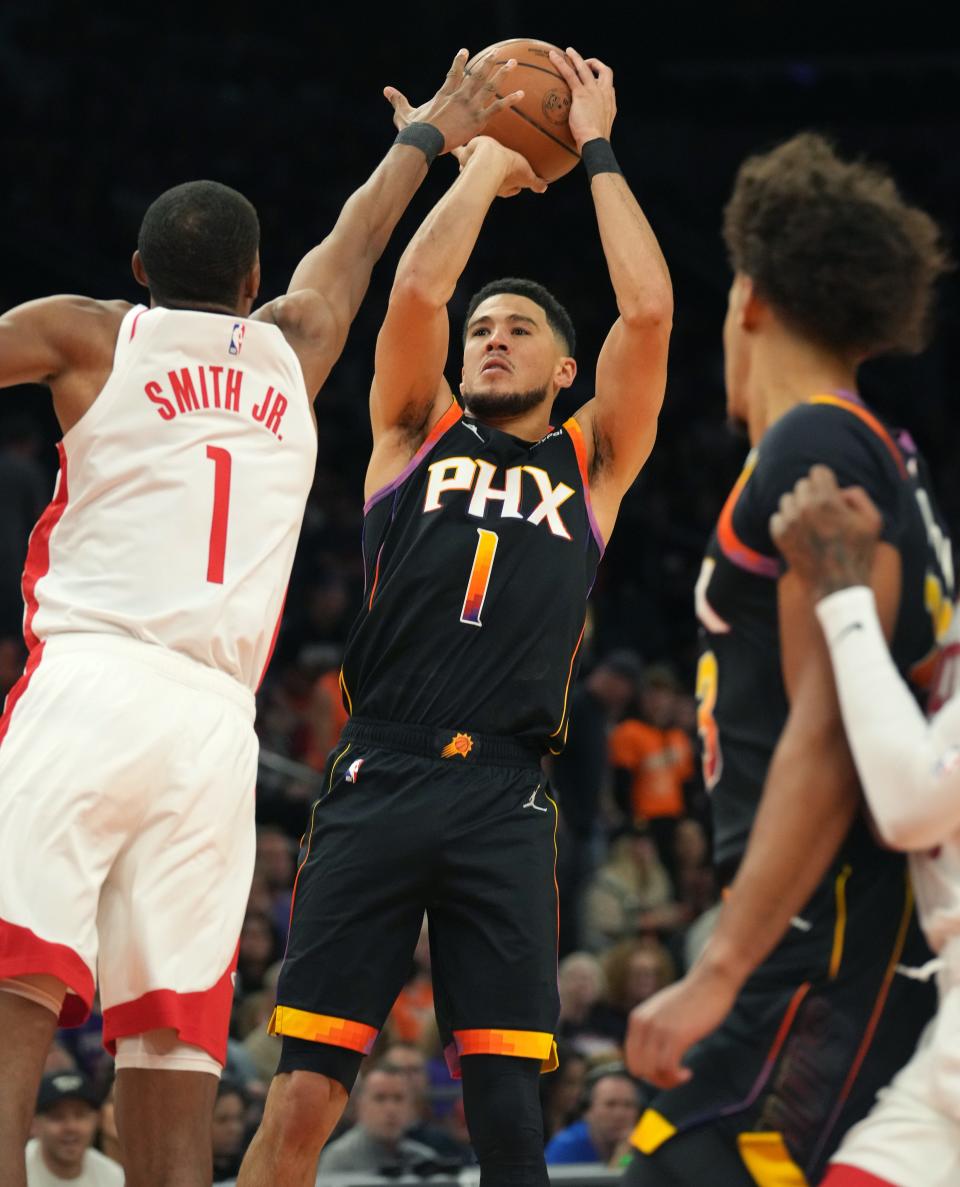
(127, 836)
(911, 1137)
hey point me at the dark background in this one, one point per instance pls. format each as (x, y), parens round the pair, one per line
(100, 111)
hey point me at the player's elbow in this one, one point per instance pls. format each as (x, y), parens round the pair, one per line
(416, 288)
(649, 313)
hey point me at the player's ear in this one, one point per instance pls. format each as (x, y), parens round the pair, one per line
(752, 306)
(565, 372)
(251, 285)
(139, 271)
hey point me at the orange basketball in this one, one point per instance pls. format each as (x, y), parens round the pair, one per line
(538, 125)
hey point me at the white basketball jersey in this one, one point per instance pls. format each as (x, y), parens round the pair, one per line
(936, 875)
(181, 494)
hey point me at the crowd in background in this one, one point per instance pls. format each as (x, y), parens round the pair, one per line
(637, 890)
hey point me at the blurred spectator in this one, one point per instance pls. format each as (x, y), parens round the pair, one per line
(24, 492)
(276, 867)
(693, 874)
(408, 1058)
(653, 758)
(59, 1058)
(630, 893)
(561, 1091)
(635, 970)
(254, 1013)
(260, 947)
(578, 773)
(65, 1126)
(413, 1015)
(376, 1143)
(229, 1130)
(612, 1112)
(583, 1023)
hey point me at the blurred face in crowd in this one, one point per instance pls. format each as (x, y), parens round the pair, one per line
(275, 859)
(614, 1111)
(660, 705)
(644, 976)
(65, 1132)
(580, 984)
(413, 1064)
(256, 941)
(385, 1105)
(643, 850)
(228, 1123)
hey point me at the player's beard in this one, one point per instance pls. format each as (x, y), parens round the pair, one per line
(502, 405)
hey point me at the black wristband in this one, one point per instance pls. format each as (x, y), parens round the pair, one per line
(597, 157)
(426, 137)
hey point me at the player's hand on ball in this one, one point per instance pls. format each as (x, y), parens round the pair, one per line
(463, 105)
(517, 172)
(593, 101)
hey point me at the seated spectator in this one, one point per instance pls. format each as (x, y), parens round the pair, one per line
(635, 970)
(631, 893)
(652, 758)
(108, 1139)
(582, 1022)
(612, 1112)
(693, 870)
(229, 1131)
(65, 1126)
(254, 1013)
(260, 947)
(408, 1058)
(562, 1089)
(376, 1143)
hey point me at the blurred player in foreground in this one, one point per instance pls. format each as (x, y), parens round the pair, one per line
(795, 1008)
(910, 771)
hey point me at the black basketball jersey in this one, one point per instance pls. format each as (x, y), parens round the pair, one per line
(742, 701)
(479, 559)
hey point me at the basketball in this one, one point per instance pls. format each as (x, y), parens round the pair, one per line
(537, 126)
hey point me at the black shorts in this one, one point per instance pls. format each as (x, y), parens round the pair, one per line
(823, 1024)
(414, 820)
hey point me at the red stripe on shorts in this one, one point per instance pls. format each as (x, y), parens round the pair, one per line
(24, 954)
(38, 564)
(200, 1019)
(840, 1175)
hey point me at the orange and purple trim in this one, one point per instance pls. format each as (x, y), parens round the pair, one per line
(453, 414)
(323, 1028)
(575, 433)
(854, 405)
(730, 543)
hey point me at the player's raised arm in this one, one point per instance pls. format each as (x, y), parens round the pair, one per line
(409, 391)
(620, 422)
(330, 281)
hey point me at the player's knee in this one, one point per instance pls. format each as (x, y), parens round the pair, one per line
(502, 1104)
(302, 1109)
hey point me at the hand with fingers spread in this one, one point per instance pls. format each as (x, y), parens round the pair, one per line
(667, 1025)
(593, 99)
(827, 535)
(517, 173)
(463, 105)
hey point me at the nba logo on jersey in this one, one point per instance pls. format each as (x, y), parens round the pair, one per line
(353, 771)
(236, 337)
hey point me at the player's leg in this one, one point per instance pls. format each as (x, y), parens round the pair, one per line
(358, 907)
(165, 1092)
(29, 1008)
(493, 928)
(170, 914)
(58, 835)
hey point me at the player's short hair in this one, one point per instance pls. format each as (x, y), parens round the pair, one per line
(834, 248)
(197, 242)
(557, 317)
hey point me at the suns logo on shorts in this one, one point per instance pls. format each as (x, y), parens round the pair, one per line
(236, 337)
(460, 744)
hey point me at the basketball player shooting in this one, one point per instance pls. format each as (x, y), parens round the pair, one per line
(483, 530)
(153, 587)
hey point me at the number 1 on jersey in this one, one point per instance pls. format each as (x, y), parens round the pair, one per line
(479, 577)
(221, 509)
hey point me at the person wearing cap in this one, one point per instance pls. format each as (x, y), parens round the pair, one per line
(65, 1125)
